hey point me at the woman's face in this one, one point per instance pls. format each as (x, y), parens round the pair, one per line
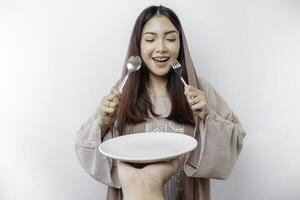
(159, 45)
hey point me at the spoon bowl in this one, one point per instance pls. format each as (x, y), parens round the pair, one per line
(133, 64)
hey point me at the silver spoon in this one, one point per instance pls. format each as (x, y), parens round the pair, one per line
(133, 64)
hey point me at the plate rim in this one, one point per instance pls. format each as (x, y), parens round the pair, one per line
(144, 160)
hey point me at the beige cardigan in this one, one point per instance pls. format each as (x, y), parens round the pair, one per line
(220, 140)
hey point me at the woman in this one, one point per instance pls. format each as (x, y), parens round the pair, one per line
(154, 99)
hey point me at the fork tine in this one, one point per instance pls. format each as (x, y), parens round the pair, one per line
(178, 69)
(177, 62)
(173, 64)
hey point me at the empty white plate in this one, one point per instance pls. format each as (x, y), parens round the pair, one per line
(148, 147)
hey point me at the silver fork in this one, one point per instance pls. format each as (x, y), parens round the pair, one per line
(178, 69)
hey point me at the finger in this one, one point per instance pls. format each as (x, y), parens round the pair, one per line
(111, 97)
(187, 89)
(116, 92)
(203, 114)
(123, 164)
(105, 102)
(107, 110)
(111, 104)
(199, 106)
(109, 115)
(127, 167)
(167, 166)
(175, 163)
(116, 101)
(193, 101)
(195, 93)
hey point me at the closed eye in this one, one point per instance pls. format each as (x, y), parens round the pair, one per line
(149, 40)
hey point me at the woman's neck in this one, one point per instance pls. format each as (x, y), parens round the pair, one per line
(158, 85)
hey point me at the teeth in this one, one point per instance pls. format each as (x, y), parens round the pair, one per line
(161, 59)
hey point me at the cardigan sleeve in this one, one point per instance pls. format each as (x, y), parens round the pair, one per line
(220, 138)
(100, 167)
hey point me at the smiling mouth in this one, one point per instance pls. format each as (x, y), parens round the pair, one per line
(161, 59)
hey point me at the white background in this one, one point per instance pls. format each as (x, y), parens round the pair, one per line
(58, 58)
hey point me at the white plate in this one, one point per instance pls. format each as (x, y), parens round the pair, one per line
(148, 147)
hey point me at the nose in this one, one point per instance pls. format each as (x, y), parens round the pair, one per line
(161, 47)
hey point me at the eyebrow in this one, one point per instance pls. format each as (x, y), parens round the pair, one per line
(166, 33)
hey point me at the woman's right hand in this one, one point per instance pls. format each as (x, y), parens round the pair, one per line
(109, 109)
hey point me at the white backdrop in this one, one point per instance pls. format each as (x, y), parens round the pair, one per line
(59, 57)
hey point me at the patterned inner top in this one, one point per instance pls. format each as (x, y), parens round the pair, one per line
(162, 106)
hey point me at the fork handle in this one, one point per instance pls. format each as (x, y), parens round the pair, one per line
(183, 81)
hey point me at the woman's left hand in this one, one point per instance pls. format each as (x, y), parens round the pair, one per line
(197, 100)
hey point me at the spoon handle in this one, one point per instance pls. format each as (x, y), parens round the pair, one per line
(123, 82)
